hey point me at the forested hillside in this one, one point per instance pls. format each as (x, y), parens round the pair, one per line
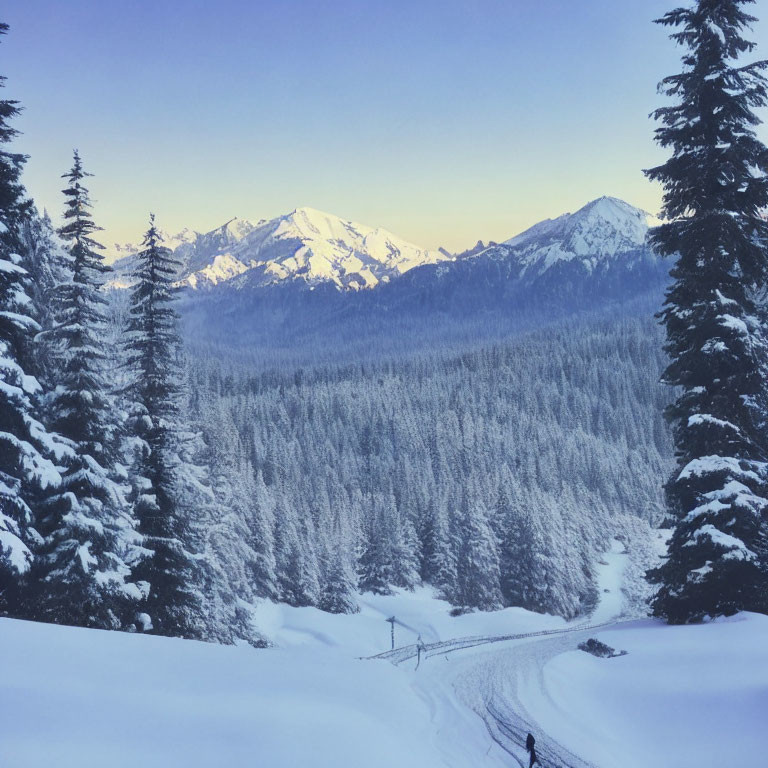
(498, 474)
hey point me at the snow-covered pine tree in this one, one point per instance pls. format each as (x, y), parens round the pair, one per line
(25, 445)
(714, 188)
(47, 264)
(404, 545)
(228, 588)
(81, 577)
(478, 559)
(339, 588)
(514, 545)
(439, 557)
(339, 577)
(290, 565)
(260, 521)
(376, 569)
(173, 605)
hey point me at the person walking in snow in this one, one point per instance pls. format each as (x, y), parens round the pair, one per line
(530, 745)
(419, 648)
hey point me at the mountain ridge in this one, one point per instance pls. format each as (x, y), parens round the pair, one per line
(305, 244)
(313, 247)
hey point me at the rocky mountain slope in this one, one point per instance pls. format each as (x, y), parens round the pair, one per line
(306, 245)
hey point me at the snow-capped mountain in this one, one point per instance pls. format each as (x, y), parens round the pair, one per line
(208, 253)
(306, 245)
(599, 253)
(122, 255)
(602, 230)
(583, 262)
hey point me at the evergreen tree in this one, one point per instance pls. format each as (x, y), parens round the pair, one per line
(81, 573)
(715, 187)
(25, 445)
(48, 266)
(478, 582)
(298, 578)
(404, 545)
(515, 547)
(338, 591)
(376, 568)
(260, 520)
(172, 573)
(438, 556)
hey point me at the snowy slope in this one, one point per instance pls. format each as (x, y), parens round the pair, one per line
(306, 244)
(366, 633)
(76, 698)
(684, 696)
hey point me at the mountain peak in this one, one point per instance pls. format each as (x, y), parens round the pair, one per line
(346, 253)
(603, 228)
(607, 205)
(236, 228)
(310, 213)
(613, 210)
(306, 244)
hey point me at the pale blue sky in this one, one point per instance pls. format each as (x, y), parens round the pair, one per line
(444, 121)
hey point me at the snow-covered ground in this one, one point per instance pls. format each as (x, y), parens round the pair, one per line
(82, 698)
(688, 697)
(418, 613)
(91, 699)
(683, 696)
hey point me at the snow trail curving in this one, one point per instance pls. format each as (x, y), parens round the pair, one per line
(505, 685)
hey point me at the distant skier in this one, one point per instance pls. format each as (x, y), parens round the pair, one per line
(530, 745)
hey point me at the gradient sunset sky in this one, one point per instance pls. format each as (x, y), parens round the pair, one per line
(443, 121)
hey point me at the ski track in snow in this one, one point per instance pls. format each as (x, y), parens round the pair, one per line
(503, 685)
(498, 683)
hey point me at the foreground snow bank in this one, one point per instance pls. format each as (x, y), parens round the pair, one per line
(687, 696)
(75, 697)
(86, 698)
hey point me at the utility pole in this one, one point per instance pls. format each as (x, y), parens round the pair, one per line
(392, 621)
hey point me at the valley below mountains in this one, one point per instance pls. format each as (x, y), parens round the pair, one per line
(485, 423)
(309, 286)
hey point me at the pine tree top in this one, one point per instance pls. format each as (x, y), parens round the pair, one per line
(153, 341)
(717, 165)
(79, 224)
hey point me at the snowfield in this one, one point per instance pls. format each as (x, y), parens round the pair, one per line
(682, 697)
(84, 698)
(689, 697)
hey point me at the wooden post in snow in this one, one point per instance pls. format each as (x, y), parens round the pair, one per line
(392, 621)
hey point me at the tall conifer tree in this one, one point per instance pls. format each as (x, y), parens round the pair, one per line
(478, 558)
(714, 189)
(25, 445)
(83, 577)
(173, 605)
